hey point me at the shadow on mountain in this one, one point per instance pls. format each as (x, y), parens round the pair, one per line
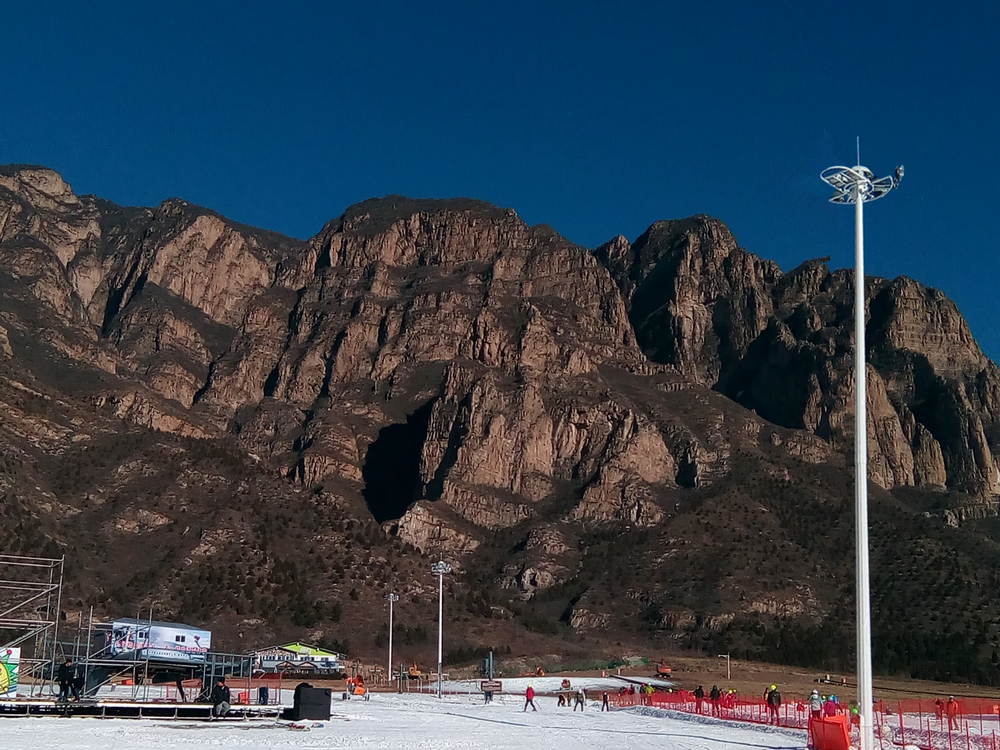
(392, 466)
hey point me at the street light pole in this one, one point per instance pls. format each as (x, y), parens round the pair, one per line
(729, 672)
(440, 568)
(858, 185)
(391, 598)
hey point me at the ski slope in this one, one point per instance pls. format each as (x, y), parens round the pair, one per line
(417, 722)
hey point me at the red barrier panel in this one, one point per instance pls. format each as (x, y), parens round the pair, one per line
(830, 733)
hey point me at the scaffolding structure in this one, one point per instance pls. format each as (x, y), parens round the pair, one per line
(30, 609)
(31, 618)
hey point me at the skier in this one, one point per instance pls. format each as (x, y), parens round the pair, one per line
(716, 696)
(699, 696)
(581, 699)
(773, 703)
(605, 702)
(529, 698)
(815, 705)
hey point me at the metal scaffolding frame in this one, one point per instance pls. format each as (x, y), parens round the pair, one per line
(30, 606)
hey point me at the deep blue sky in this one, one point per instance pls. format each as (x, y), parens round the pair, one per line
(595, 117)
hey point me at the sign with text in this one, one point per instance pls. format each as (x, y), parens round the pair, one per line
(491, 686)
(158, 640)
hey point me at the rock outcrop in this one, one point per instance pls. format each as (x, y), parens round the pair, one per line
(435, 377)
(782, 345)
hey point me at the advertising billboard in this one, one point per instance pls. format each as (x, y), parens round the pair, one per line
(162, 641)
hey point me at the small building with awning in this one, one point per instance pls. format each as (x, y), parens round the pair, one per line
(298, 657)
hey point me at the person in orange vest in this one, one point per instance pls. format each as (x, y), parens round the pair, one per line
(951, 708)
(529, 698)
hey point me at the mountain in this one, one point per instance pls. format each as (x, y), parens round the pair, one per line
(641, 446)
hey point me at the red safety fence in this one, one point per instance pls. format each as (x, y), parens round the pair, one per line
(974, 722)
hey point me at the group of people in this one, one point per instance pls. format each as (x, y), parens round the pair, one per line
(949, 709)
(578, 700)
(718, 699)
(821, 706)
(71, 682)
(644, 691)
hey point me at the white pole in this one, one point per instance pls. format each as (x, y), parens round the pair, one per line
(861, 484)
(440, 620)
(729, 671)
(389, 673)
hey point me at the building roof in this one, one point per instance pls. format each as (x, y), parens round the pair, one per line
(304, 649)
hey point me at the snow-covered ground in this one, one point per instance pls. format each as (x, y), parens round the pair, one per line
(393, 722)
(420, 722)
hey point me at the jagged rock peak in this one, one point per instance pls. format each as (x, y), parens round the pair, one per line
(376, 215)
(398, 231)
(39, 182)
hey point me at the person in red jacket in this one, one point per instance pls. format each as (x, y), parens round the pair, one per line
(529, 698)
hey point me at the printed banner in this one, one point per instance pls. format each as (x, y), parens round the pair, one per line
(10, 663)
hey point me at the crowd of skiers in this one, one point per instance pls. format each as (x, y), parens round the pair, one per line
(578, 699)
(819, 706)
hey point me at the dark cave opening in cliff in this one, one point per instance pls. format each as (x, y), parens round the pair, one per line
(392, 466)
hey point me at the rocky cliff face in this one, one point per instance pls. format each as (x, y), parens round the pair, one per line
(662, 418)
(782, 345)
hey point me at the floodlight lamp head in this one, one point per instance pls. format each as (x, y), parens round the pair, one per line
(392, 597)
(441, 568)
(858, 183)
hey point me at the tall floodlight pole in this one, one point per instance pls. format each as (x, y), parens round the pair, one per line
(440, 568)
(391, 598)
(858, 185)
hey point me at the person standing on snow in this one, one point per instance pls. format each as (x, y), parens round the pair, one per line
(581, 699)
(773, 704)
(716, 696)
(699, 696)
(529, 698)
(831, 706)
(951, 709)
(605, 701)
(815, 705)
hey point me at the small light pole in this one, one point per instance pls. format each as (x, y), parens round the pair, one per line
(440, 568)
(729, 672)
(390, 598)
(858, 185)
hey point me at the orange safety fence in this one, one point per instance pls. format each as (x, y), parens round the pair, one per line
(974, 725)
